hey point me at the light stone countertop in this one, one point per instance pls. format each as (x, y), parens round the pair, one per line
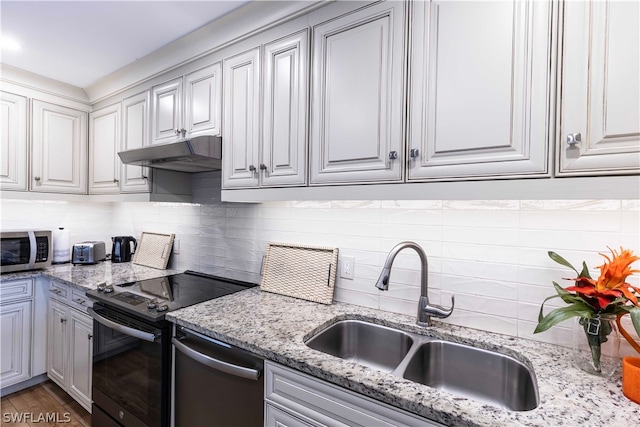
(89, 276)
(275, 327)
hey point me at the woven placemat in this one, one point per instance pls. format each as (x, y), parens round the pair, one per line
(154, 250)
(300, 271)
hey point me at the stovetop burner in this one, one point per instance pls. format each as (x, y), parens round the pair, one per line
(153, 298)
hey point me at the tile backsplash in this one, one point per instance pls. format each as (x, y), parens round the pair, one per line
(490, 255)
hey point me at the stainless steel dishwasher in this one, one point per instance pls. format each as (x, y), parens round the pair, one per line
(215, 384)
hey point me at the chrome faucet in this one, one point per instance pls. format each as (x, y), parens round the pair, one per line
(425, 310)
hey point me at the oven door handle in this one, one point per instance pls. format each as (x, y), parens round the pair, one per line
(219, 365)
(146, 336)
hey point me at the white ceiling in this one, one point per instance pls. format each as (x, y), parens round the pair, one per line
(79, 42)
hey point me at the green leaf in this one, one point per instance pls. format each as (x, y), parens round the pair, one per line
(556, 316)
(635, 318)
(557, 258)
(566, 296)
(585, 271)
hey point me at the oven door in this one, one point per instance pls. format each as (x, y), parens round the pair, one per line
(131, 369)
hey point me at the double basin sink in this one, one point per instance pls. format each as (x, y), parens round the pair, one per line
(475, 373)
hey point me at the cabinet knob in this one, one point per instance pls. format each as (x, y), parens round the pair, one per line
(144, 177)
(263, 167)
(183, 132)
(116, 180)
(89, 336)
(62, 320)
(414, 153)
(177, 131)
(574, 138)
(37, 178)
(252, 168)
(393, 155)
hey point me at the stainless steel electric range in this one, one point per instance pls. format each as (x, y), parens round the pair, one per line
(132, 344)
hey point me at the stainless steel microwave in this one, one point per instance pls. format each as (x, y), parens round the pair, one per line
(25, 250)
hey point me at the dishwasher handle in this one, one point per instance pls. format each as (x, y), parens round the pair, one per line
(219, 365)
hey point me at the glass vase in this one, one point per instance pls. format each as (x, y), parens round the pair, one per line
(596, 344)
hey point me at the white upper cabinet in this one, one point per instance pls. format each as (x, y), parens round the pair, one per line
(187, 106)
(600, 98)
(166, 122)
(284, 138)
(241, 120)
(357, 96)
(203, 101)
(59, 156)
(135, 134)
(104, 144)
(13, 142)
(480, 89)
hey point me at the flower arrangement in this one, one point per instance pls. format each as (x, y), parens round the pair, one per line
(589, 299)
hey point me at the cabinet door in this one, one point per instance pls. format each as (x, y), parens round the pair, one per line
(241, 121)
(57, 362)
(600, 89)
(59, 157)
(284, 137)
(104, 143)
(166, 111)
(203, 101)
(480, 89)
(135, 134)
(357, 96)
(15, 335)
(80, 357)
(13, 142)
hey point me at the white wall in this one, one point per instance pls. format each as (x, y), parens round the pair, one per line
(492, 255)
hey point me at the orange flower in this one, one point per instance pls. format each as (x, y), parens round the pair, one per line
(612, 281)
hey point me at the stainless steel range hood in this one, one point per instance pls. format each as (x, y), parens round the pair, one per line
(198, 154)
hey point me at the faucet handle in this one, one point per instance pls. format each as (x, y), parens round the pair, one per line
(426, 311)
(439, 311)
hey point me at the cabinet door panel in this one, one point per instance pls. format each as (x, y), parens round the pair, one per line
(15, 335)
(166, 108)
(357, 95)
(600, 87)
(479, 102)
(104, 142)
(57, 363)
(80, 357)
(203, 101)
(59, 158)
(13, 142)
(285, 111)
(135, 120)
(241, 122)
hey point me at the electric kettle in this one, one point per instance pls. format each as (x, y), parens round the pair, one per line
(121, 250)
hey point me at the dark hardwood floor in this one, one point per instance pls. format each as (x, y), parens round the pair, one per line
(43, 405)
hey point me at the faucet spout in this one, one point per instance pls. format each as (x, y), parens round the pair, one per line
(425, 310)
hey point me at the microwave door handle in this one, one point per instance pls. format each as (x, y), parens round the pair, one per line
(218, 365)
(33, 250)
(146, 336)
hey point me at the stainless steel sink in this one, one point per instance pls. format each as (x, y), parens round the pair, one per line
(464, 370)
(478, 374)
(365, 343)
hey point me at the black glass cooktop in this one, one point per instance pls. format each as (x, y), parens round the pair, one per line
(153, 298)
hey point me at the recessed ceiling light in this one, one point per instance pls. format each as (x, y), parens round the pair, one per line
(9, 43)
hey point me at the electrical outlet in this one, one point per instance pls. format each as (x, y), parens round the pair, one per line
(347, 266)
(176, 246)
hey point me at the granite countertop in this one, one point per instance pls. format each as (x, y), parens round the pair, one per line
(276, 326)
(89, 276)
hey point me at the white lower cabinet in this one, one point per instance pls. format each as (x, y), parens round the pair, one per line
(70, 350)
(296, 399)
(16, 320)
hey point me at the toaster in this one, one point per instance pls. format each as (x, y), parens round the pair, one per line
(88, 252)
